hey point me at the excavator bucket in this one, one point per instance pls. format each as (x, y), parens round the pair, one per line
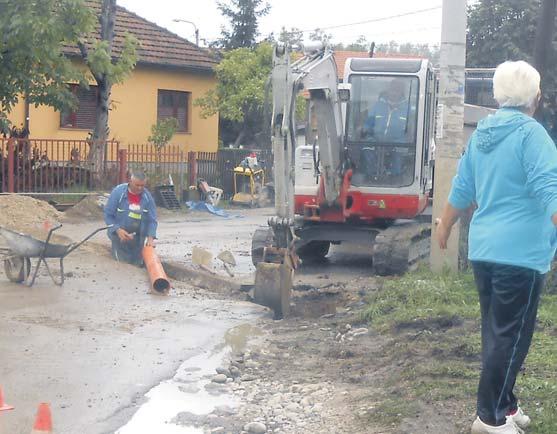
(273, 284)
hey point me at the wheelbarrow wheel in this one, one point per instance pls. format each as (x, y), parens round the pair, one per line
(17, 268)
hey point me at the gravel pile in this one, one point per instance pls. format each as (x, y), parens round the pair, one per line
(26, 214)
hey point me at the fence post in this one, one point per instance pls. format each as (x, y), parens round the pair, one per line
(11, 165)
(122, 165)
(192, 168)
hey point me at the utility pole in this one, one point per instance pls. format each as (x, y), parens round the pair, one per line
(450, 125)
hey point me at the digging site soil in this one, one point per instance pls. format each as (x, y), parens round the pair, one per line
(351, 357)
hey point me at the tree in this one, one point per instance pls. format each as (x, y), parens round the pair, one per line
(106, 70)
(544, 35)
(409, 49)
(292, 37)
(322, 36)
(243, 16)
(500, 30)
(31, 60)
(161, 134)
(361, 44)
(240, 92)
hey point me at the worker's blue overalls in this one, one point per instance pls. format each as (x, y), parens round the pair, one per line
(138, 220)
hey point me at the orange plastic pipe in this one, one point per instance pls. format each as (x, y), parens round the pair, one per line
(159, 281)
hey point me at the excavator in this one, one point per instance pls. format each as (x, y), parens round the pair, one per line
(366, 175)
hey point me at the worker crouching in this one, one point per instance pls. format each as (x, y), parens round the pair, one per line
(132, 214)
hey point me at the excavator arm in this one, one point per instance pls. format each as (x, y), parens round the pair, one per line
(316, 74)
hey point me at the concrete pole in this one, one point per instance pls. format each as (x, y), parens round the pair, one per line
(450, 126)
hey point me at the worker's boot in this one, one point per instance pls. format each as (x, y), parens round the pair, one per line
(479, 427)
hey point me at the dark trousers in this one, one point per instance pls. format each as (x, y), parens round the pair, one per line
(129, 252)
(509, 298)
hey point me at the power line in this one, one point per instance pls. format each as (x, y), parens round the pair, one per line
(375, 20)
(397, 32)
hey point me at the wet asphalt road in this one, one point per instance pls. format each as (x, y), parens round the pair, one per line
(94, 347)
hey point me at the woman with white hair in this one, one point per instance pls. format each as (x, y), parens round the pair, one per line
(509, 175)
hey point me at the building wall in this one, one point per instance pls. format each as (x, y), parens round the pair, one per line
(134, 111)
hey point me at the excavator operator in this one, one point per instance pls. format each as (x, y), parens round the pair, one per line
(388, 119)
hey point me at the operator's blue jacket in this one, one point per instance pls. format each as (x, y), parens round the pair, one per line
(387, 123)
(117, 209)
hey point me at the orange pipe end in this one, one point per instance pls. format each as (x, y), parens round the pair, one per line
(159, 282)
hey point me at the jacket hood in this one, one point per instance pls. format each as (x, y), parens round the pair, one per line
(496, 127)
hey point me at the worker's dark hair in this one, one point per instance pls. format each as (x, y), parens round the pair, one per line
(139, 175)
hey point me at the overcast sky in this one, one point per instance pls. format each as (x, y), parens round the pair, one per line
(420, 27)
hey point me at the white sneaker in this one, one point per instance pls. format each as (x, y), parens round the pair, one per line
(520, 419)
(478, 427)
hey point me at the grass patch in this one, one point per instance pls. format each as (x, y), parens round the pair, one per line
(422, 297)
(434, 321)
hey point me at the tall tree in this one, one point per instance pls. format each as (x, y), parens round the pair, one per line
(33, 33)
(107, 70)
(500, 30)
(243, 16)
(544, 36)
(293, 37)
(240, 93)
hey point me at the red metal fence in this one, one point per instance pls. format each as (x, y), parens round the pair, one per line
(46, 166)
(61, 166)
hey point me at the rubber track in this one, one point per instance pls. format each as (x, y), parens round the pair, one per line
(401, 247)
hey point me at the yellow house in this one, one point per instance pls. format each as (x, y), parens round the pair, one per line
(171, 73)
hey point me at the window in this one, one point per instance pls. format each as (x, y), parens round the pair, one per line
(174, 104)
(381, 129)
(83, 117)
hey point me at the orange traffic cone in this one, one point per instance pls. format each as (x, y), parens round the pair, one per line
(43, 422)
(3, 405)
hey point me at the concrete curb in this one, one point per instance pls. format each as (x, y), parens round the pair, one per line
(199, 278)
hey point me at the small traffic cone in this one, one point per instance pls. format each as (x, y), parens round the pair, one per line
(43, 422)
(3, 405)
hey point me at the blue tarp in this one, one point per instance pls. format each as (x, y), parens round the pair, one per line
(203, 206)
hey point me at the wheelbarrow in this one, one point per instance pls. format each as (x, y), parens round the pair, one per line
(21, 248)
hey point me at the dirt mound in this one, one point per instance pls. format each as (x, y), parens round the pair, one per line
(26, 214)
(89, 208)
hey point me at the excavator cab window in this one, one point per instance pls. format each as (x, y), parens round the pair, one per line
(381, 129)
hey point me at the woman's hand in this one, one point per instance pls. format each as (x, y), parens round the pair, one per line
(443, 232)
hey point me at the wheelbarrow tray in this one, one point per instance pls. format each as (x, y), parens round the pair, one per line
(29, 247)
(22, 247)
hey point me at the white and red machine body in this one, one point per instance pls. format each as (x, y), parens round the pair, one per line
(378, 194)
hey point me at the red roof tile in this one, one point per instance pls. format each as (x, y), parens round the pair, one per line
(157, 45)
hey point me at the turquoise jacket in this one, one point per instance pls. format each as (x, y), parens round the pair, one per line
(510, 171)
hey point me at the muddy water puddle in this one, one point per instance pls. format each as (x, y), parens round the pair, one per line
(181, 405)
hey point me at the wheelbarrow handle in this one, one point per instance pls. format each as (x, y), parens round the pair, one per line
(50, 232)
(91, 235)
